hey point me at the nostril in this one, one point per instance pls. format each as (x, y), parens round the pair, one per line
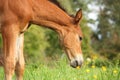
(76, 63)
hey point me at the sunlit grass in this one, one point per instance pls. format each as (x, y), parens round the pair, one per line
(60, 70)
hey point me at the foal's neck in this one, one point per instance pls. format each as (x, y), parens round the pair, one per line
(47, 14)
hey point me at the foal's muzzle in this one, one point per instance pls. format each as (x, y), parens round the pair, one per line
(78, 61)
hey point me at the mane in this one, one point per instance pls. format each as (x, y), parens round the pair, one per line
(58, 4)
(60, 15)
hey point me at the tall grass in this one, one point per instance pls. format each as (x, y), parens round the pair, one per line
(60, 70)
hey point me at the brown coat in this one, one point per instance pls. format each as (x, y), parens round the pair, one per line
(15, 18)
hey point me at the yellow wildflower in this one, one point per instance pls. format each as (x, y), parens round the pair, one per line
(94, 57)
(88, 59)
(115, 71)
(78, 67)
(87, 70)
(93, 66)
(95, 76)
(104, 68)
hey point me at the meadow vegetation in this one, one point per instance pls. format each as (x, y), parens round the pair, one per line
(45, 59)
(60, 70)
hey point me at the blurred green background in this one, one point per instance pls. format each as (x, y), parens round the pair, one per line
(101, 29)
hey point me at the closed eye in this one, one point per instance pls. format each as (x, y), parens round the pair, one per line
(80, 38)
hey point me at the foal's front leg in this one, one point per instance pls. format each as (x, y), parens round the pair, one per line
(9, 35)
(19, 70)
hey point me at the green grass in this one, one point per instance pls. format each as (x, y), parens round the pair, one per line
(62, 71)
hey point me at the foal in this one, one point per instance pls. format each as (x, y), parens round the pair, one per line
(15, 17)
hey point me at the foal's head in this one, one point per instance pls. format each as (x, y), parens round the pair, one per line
(71, 39)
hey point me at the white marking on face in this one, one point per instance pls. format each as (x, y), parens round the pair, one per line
(78, 57)
(77, 61)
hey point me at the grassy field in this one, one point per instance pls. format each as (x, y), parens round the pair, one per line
(60, 70)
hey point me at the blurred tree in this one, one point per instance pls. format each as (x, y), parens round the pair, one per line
(108, 32)
(66, 5)
(35, 43)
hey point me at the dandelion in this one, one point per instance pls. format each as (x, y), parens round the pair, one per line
(88, 59)
(78, 67)
(94, 57)
(104, 68)
(87, 70)
(115, 71)
(95, 76)
(93, 66)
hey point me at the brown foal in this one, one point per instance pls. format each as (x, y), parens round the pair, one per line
(15, 17)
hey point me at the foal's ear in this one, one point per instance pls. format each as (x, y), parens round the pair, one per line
(78, 16)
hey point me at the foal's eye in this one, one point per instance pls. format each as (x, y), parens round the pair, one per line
(80, 38)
